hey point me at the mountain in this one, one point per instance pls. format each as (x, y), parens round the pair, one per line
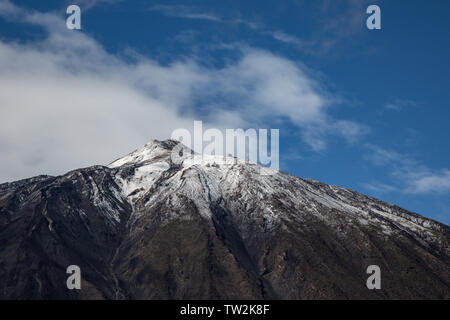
(149, 227)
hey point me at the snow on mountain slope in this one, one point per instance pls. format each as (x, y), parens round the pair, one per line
(165, 223)
(149, 173)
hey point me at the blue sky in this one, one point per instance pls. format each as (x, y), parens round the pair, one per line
(363, 109)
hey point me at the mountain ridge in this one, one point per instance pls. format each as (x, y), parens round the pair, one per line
(149, 227)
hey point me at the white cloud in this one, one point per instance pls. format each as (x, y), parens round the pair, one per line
(399, 104)
(188, 12)
(379, 187)
(8, 9)
(410, 176)
(382, 157)
(351, 131)
(291, 39)
(89, 4)
(66, 103)
(338, 23)
(185, 12)
(438, 182)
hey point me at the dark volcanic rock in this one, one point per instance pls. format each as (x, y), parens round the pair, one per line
(146, 228)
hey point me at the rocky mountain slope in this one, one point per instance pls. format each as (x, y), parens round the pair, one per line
(146, 227)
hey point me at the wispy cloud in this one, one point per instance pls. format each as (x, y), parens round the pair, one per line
(409, 175)
(438, 182)
(287, 38)
(382, 157)
(379, 188)
(347, 21)
(185, 12)
(194, 13)
(399, 104)
(336, 22)
(7, 8)
(89, 4)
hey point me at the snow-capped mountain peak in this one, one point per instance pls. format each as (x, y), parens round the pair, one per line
(154, 148)
(163, 222)
(149, 174)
